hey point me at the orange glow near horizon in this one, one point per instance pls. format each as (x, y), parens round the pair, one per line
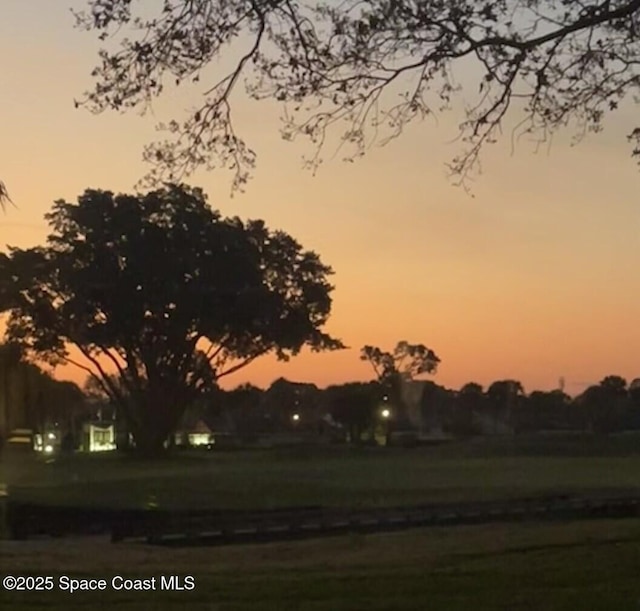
(535, 278)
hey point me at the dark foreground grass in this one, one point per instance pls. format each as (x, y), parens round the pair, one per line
(551, 567)
(340, 476)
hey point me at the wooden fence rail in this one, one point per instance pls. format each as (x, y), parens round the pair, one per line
(218, 527)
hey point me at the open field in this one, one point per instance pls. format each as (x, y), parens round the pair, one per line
(555, 567)
(339, 476)
(551, 566)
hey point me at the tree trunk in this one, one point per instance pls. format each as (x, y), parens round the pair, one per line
(156, 421)
(149, 442)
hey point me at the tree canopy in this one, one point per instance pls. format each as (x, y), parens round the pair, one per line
(366, 69)
(167, 293)
(406, 361)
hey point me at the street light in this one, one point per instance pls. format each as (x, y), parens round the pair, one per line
(295, 417)
(385, 412)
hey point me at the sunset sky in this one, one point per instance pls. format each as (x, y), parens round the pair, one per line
(534, 278)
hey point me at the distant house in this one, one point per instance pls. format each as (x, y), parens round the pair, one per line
(194, 435)
(292, 406)
(47, 441)
(200, 428)
(98, 436)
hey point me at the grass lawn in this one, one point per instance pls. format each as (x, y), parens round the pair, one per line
(580, 565)
(340, 476)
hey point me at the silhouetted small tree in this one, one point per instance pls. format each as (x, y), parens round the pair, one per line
(606, 405)
(354, 405)
(545, 410)
(504, 398)
(470, 404)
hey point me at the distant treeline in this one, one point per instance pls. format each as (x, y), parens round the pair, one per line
(31, 398)
(355, 411)
(359, 408)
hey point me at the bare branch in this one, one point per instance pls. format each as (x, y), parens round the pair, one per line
(238, 366)
(4, 196)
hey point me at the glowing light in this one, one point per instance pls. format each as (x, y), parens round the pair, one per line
(201, 439)
(295, 417)
(386, 413)
(48, 448)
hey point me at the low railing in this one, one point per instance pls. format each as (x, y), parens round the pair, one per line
(219, 527)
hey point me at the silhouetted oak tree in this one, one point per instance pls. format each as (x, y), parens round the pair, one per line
(370, 68)
(166, 292)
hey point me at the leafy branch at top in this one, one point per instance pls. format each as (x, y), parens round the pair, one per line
(367, 70)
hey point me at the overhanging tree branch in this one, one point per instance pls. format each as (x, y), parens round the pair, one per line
(239, 366)
(337, 66)
(105, 387)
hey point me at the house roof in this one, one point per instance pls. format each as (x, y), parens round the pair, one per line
(200, 427)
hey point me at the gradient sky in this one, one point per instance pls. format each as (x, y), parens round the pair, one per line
(534, 278)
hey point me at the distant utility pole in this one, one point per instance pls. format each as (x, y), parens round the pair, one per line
(561, 384)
